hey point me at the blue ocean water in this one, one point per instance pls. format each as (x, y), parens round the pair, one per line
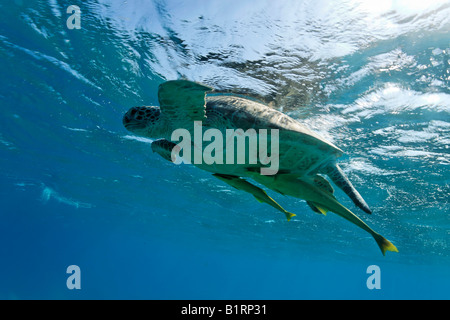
(77, 189)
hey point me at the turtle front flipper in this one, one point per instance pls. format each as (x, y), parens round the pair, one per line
(260, 195)
(340, 179)
(164, 148)
(183, 101)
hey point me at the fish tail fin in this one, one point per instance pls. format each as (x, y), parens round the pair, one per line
(384, 244)
(259, 200)
(289, 215)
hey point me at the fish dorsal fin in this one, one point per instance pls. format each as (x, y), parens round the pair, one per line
(259, 200)
(316, 208)
(183, 101)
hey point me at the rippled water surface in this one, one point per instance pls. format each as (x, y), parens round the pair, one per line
(77, 188)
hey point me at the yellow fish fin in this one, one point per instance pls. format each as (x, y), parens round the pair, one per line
(316, 208)
(289, 215)
(322, 211)
(384, 244)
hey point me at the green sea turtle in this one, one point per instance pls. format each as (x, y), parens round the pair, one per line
(303, 155)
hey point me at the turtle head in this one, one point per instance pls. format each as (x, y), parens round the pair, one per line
(144, 121)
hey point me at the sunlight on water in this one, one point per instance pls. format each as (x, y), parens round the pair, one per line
(406, 7)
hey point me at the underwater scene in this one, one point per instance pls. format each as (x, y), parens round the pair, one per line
(92, 206)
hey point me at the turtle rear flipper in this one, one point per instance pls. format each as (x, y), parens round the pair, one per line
(340, 179)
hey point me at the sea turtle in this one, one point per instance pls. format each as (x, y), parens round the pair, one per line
(303, 155)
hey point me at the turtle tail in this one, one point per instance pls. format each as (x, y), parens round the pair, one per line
(340, 179)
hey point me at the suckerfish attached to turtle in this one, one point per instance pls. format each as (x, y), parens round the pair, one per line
(303, 155)
(258, 193)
